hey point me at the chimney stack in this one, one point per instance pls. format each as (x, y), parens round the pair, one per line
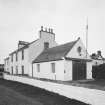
(46, 32)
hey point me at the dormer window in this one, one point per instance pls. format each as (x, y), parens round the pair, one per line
(46, 45)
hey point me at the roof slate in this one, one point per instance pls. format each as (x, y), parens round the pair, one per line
(55, 53)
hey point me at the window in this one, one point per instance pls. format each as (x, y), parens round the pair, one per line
(11, 58)
(38, 67)
(22, 54)
(22, 70)
(16, 69)
(46, 45)
(16, 56)
(79, 50)
(53, 67)
(12, 70)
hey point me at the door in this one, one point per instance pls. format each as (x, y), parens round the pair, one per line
(79, 70)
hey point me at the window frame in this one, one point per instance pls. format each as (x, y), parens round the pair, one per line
(12, 70)
(38, 68)
(53, 67)
(16, 69)
(22, 68)
(22, 54)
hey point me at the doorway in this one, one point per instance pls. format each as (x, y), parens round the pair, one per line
(79, 70)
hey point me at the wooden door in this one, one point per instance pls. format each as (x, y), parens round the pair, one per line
(79, 70)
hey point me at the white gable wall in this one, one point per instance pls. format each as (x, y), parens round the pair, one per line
(46, 71)
(38, 46)
(74, 53)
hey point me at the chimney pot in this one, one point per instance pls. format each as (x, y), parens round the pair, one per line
(46, 29)
(51, 30)
(41, 28)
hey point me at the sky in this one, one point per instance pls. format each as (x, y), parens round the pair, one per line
(22, 19)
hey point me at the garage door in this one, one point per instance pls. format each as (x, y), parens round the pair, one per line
(79, 70)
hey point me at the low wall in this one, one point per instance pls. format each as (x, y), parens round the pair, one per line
(89, 96)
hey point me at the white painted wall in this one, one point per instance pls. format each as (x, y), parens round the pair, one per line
(38, 46)
(24, 62)
(20, 62)
(31, 53)
(45, 70)
(74, 53)
(89, 70)
(68, 70)
(7, 64)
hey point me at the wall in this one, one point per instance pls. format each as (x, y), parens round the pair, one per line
(24, 62)
(45, 70)
(97, 62)
(7, 64)
(20, 62)
(91, 96)
(89, 70)
(74, 53)
(38, 46)
(68, 70)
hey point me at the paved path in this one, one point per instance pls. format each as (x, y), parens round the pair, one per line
(89, 96)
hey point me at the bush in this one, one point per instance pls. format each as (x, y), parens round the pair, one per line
(98, 72)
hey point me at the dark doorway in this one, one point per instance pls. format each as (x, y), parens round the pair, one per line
(79, 70)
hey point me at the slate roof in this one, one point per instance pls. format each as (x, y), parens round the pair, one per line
(55, 53)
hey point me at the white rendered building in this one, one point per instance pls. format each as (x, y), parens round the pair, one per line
(20, 60)
(43, 58)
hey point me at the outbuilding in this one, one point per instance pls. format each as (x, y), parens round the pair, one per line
(65, 62)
